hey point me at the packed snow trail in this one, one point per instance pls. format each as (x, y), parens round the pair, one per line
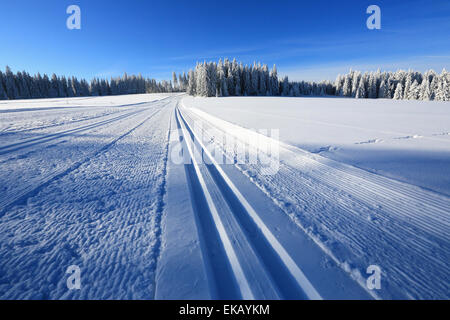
(37, 160)
(357, 217)
(247, 253)
(295, 276)
(63, 118)
(404, 140)
(100, 210)
(49, 137)
(98, 188)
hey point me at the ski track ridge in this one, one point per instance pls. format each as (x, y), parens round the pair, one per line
(161, 204)
(52, 136)
(238, 220)
(399, 200)
(6, 204)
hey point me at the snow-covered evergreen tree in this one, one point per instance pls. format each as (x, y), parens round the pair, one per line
(175, 81)
(255, 80)
(339, 84)
(443, 89)
(237, 80)
(355, 82)
(3, 95)
(211, 78)
(347, 86)
(382, 92)
(361, 91)
(10, 85)
(424, 93)
(398, 95)
(191, 88)
(413, 92)
(372, 87)
(246, 80)
(274, 81)
(285, 87)
(408, 83)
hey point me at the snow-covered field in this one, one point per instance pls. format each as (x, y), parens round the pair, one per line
(405, 140)
(82, 186)
(393, 213)
(94, 182)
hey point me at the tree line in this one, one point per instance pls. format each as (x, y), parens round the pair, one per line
(22, 85)
(230, 78)
(408, 85)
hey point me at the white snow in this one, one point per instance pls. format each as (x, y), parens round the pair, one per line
(357, 216)
(91, 198)
(405, 140)
(104, 101)
(90, 182)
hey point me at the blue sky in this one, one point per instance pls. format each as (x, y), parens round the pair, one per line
(310, 40)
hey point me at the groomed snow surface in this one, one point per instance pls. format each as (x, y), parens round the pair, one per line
(405, 140)
(82, 185)
(97, 183)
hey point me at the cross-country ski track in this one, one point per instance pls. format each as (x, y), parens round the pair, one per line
(101, 189)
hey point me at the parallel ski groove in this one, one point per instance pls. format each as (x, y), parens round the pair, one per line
(424, 231)
(6, 133)
(288, 264)
(32, 189)
(439, 209)
(231, 254)
(35, 141)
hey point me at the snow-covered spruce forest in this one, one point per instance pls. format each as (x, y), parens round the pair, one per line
(22, 85)
(227, 78)
(230, 78)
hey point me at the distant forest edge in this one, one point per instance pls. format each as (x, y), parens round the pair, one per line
(230, 78)
(227, 78)
(23, 86)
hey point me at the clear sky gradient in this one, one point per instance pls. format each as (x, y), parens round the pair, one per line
(308, 40)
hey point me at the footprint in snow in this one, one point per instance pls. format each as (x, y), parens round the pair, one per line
(324, 149)
(442, 134)
(415, 136)
(370, 141)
